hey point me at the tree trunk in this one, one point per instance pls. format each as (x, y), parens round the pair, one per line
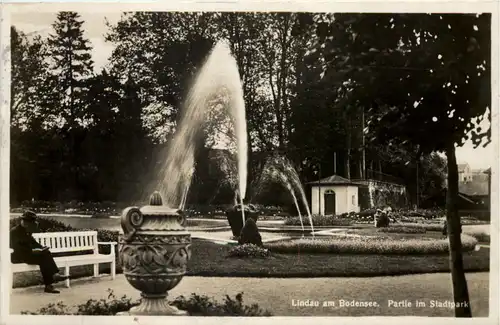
(460, 291)
(360, 169)
(348, 156)
(380, 170)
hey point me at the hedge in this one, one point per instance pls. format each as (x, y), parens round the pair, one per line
(195, 305)
(319, 220)
(368, 245)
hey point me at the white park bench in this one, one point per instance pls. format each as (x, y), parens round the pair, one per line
(66, 242)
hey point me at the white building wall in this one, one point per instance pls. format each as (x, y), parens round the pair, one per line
(353, 199)
(343, 199)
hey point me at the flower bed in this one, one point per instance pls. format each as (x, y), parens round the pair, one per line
(368, 245)
(403, 230)
(195, 305)
(249, 250)
(99, 209)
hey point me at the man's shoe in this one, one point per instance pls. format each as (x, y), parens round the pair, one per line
(58, 277)
(50, 289)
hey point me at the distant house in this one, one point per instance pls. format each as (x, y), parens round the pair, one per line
(464, 173)
(476, 185)
(473, 195)
(334, 195)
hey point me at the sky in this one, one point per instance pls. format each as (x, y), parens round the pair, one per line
(95, 29)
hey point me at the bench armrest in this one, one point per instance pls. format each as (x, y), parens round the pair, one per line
(107, 243)
(110, 243)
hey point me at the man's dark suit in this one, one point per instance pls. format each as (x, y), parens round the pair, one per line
(23, 244)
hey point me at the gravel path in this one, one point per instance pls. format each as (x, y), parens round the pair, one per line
(280, 295)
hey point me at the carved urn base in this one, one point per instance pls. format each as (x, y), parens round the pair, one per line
(154, 305)
(154, 251)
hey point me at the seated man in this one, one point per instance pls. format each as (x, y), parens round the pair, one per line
(28, 250)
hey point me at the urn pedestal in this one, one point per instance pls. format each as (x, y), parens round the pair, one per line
(154, 251)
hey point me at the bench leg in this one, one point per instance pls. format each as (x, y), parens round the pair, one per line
(96, 270)
(113, 269)
(66, 273)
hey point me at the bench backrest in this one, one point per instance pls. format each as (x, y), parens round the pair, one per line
(61, 242)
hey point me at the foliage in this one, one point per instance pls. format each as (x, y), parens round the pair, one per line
(426, 226)
(28, 74)
(110, 306)
(195, 305)
(71, 66)
(427, 85)
(319, 220)
(480, 235)
(46, 225)
(130, 111)
(248, 250)
(368, 245)
(73, 207)
(403, 230)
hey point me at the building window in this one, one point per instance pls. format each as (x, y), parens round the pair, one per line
(354, 200)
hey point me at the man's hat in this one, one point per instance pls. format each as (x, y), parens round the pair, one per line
(29, 216)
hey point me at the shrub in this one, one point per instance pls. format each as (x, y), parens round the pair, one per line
(427, 227)
(248, 250)
(104, 307)
(75, 207)
(403, 230)
(479, 235)
(319, 221)
(195, 305)
(203, 306)
(46, 225)
(368, 245)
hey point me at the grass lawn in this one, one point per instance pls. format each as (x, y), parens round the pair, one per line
(209, 259)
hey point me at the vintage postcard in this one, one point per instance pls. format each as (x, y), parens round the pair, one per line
(249, 160)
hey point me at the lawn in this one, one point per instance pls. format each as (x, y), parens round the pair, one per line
(210, 259)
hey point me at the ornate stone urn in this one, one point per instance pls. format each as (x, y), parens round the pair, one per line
(154, 250)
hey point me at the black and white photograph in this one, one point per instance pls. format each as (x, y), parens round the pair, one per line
(248, 162)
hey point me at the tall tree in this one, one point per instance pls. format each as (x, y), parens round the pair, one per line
(426, 79)
(71, 67)
(29, 75)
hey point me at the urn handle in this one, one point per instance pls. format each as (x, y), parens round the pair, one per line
(132, 219)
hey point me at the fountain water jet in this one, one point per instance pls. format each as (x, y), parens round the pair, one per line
(218, 76)
(279, 170)
(298, 209)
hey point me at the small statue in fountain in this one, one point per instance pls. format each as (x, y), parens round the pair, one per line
(381, 218)
(250, 234)
(235, 217)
